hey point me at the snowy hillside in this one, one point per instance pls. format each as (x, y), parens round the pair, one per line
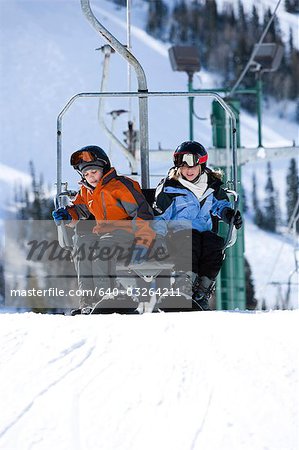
(199, 381)
(50, 46)
(286, 19)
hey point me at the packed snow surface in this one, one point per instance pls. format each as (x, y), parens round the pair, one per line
(179, 381)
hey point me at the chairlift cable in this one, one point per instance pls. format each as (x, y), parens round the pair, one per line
(255, 50)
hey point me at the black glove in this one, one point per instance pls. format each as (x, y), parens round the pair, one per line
(139, 255)
(229, 213)
(159, 245)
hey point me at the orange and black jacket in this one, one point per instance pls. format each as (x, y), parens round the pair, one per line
(115, 198)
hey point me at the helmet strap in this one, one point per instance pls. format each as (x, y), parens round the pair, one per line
(84, 182)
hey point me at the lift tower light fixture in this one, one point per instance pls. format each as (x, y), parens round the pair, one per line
(184, 59)
(267, 57)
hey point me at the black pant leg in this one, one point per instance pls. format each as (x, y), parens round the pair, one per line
(211, 256)
(180, 249)
(206, 254)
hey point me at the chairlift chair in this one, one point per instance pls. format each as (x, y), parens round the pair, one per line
(146, 271)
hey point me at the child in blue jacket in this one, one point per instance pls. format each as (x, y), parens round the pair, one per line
(193, 192)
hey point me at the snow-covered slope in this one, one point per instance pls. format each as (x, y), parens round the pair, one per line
(166, 381)
(11, 176)
(272, 259)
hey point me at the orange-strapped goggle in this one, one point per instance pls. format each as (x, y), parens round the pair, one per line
(80, 157)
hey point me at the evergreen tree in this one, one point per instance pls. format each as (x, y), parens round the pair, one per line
(196, 23)
(292, 192)
(257, 212)
(251, 301)
(157, 18)
(270, 209)
(181, 16)
(291, 6)
(293, 69)
(273, 32)
(297, 112)
(254, 22)
(120, 2)
(291, 41)
(211, 21)
(279, 221)
(242, 22)
(34, 204)
(2, 284)
(226, 41)
(36, 190)
(244, 200)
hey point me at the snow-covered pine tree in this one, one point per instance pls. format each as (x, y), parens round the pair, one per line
(279, 220)
(244, 200)
(2, 285)
(180, 25)
(292, 191)
(157, 19)
(34, 204)
(251, 301)
(257, 212)
(225, 40)
(270, 209)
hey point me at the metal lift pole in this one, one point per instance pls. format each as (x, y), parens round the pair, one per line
(142, 87)
(132, 161)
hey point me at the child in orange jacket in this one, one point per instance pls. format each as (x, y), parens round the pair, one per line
(122, 218)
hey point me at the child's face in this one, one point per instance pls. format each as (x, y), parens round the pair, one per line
(93, 176)
(190, 173)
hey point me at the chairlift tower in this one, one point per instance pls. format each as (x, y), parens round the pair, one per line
(231, 282)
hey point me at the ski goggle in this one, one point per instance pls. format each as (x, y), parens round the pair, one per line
(81, 157)
(190, 159)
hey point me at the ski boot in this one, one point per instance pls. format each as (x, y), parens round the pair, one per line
(85, 307)
(179, 296)
(203, 288)
(183, 283)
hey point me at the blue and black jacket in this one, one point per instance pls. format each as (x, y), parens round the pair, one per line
(175, 204)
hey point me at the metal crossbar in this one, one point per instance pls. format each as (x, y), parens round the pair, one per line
(144, 150)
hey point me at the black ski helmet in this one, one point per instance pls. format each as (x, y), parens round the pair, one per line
(90, 157)
(197, 152)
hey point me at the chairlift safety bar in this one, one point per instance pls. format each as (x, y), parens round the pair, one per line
(144, 151)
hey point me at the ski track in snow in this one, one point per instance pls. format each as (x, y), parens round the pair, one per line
(153, 381)
(50, 383)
